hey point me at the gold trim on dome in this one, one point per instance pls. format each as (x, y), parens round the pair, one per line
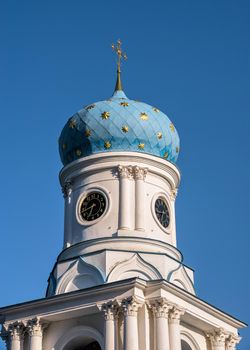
(165, 155)
(144, 116)
(72, 123)
(107, 144)
(124, 104)
(156, 110)
(90, 107)
(171, 126)
(87, 132)
(105, 115)
(64, 146)
(159, 135)
(141, 145)
(78, 152)
(125, 128)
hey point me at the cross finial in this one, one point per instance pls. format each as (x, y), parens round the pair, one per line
(121, 55)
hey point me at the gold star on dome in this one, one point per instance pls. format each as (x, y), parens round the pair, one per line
(87, 132)
(72, 123)
(105, 115)
(141, 145)
(64, 146)
(144, 116)
(90, 107)
(125, 128)
(165, 155)
(159, 135)
(124, 104)
(156, 110)
(78, 152)
(171, 126)
(107, 144)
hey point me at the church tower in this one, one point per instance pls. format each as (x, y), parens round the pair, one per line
(120, 282)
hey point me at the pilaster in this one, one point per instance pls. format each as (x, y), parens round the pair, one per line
(130, 308)
(125, 210)
(218, 339)
(35, 330)
(110, 310)
(160, 308)
(139, 175)
(174, 327)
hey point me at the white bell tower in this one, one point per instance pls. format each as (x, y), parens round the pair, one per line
(120, 282)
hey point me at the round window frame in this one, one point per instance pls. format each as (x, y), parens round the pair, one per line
(80, 200)
(166, 199)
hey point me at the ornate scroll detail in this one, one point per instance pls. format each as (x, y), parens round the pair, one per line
(110, 310)
(13, 331)
(130, 306)
(174, 193)
(35, 328)
(160, 307)
(140, 173)
(232, 341)
(67, 188)
(175, 314)
(132, 172)
(125, 171)
(217, 337)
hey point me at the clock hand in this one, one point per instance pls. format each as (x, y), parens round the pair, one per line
(91, 210)
(88, 208)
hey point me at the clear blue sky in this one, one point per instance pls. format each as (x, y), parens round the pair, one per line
(189, 58)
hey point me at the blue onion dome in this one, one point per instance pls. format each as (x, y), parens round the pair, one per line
(118, 125)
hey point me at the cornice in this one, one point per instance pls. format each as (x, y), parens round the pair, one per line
(102, 161)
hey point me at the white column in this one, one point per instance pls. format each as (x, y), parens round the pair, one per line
(140, 175)
(125, 197)
(218, 339)
(15, 336)
(68, 207)
(131, 338)
(110, 314)
(232, 341)
(160, 309)
(174, 327)
(35, 329)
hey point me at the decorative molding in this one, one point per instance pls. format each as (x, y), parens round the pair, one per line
(140, 173)
(181, 278)
(136, 266)
(130, 306)
(217, 337)
(160, 307)
(175, 314)
(67, 188)
(13, 331)
(125, 172)
(174, 193)
(35, 328)
(232, 341)
(110, 310)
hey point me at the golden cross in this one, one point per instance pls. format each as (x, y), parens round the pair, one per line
(121, 55)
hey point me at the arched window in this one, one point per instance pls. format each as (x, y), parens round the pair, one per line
(91, 346)
(185, 346)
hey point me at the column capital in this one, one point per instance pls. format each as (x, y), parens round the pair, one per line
(13, 331)
(130, 306)
(110, 309)
(160, 307)
(174, 193)
(125, 171)
(140, 173)
(67, 188)
(217, 337)
(232, 341)
(35, 328)
(175, 314)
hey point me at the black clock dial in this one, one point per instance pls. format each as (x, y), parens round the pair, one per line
(93, 206)
(162, 212)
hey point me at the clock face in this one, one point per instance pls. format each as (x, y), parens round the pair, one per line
(93, 206)
(162, 213)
